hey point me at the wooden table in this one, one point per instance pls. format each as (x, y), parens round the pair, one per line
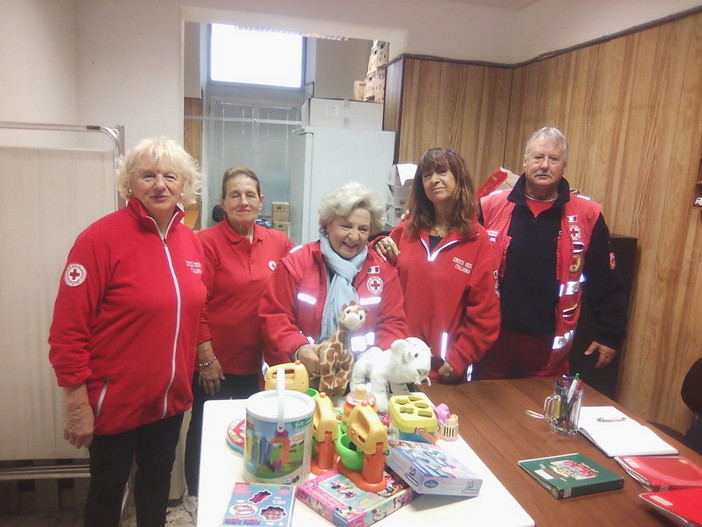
(493, 422)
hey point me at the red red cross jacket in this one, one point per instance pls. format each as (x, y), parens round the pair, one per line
(451, 296)
(578, 221)
(126, 318)
(292, 305)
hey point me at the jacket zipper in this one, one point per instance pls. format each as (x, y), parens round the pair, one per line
(101, 399)
(179, 306)
(176, 286)
(431, 256)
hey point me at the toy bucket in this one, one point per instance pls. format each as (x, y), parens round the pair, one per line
(277, 450)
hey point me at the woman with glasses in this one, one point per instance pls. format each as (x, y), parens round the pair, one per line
(446, 265)
(125, 330)
(240, 257)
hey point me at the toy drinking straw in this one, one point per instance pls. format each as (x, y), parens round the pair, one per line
(280, 385)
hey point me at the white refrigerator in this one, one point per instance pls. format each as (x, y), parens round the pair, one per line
(324, 158)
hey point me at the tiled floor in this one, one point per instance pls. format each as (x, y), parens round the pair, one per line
(176, 516)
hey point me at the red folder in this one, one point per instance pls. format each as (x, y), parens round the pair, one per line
(683, 507)
(660, 473)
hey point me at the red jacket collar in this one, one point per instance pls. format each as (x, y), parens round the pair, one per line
(138, 211)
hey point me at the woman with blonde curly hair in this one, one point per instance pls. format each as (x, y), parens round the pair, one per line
(125, 331)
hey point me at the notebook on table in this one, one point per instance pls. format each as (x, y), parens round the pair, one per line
(616, 434)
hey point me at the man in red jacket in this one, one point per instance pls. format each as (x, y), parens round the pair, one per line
(551, 243)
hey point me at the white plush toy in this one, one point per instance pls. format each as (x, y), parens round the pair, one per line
(408, 360)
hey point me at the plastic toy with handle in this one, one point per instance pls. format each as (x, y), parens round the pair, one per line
(296, 377)
(325, 431)
(370, 438)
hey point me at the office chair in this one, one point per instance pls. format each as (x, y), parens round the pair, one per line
(691, 393)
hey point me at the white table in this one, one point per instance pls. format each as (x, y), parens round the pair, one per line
(221, 467)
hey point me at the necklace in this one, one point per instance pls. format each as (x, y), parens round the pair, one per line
(541, 200)
(439, 231)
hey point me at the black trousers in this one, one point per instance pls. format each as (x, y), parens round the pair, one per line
(232, 387)
(153, 447)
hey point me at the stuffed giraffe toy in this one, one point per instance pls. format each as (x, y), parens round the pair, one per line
(335, 356)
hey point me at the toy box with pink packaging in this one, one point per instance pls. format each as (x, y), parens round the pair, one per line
(335, 497)
(428, 469)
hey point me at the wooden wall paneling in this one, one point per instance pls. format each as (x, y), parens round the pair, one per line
(581, 124)
(687, 142)
(616, 192)
(461, 106)
(458, 109)
(514, 141)
(664, 218)
(420, 104)
(492, 126)
(393, 100)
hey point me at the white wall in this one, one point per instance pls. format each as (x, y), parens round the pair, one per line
(38, 68)
(128, 65)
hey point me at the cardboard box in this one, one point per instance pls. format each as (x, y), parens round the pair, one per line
(403, 191)
(342, 113)
(282, 226)
(430, 470)
(379, 55)
(280, 211)
(394, 215)
(402, 174)
(398, 201)
(375, 85)
(359, 90)
(336, 498)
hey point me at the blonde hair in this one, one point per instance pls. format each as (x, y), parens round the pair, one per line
(156, 151)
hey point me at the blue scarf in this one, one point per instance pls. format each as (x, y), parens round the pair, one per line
(340, 289)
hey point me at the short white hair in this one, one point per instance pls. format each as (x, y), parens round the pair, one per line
(351, 196)
(550, 134)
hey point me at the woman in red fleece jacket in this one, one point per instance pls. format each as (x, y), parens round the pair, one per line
(447, 266)
(240, 257)
(125, 331)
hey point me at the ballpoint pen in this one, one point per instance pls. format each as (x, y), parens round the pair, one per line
(610, 419)
(573, 387)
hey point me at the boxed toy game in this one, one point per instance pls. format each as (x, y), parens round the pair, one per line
(335, 497)
(571, 475)
(430, 470)
(260, 504)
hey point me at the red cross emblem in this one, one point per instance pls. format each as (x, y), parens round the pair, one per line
(74, 275)
(375, 285)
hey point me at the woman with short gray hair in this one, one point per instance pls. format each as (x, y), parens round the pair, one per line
(301, 305)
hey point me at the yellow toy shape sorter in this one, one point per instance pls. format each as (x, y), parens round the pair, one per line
(413, 418)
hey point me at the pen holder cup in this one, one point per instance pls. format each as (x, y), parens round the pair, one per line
(562, 409)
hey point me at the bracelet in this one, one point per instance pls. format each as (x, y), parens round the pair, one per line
(208, 363)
